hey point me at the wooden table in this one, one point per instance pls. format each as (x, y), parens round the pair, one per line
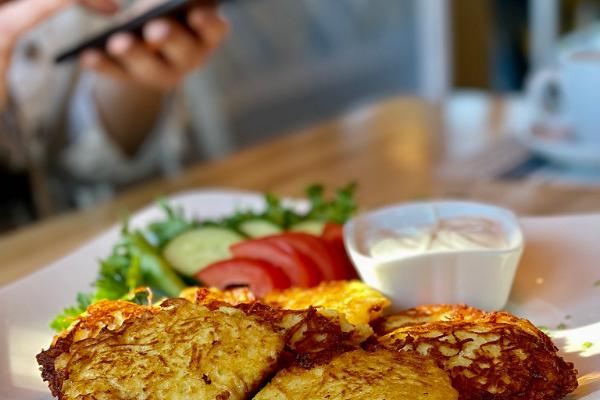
(395, 150)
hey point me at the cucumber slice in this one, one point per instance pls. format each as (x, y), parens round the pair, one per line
(313, 227)
(195, 250)
(256, 228)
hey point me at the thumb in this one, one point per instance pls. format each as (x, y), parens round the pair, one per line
(4, 62)
(103, 6)
(19, 16)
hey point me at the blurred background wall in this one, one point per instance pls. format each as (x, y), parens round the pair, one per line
(291, 63)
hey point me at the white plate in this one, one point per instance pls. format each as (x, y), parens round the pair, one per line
(562, 152)
(555, 279)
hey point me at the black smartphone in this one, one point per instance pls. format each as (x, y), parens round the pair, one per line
(170, 8)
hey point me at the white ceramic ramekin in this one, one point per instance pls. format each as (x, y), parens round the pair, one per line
(479, 277)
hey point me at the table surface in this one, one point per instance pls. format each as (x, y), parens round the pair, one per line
(396, 150)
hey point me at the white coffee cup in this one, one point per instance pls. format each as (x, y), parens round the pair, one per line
(577, 81)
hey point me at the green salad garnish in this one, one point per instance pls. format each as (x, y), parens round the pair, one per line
(136, 261)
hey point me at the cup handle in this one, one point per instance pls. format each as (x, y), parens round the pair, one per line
(544, 104)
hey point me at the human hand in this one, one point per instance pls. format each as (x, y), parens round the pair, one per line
(17, 17)
(102, 6)
(167, 51)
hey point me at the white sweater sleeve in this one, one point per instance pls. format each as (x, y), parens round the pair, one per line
(93, 157)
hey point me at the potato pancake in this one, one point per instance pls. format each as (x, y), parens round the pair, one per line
(358, 374)
(487, 355)
(356, 301)
(425, 314)
(177, 350)
(203, 295)
(351, 304)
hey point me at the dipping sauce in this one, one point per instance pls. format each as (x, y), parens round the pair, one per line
(437, 252)
(451, 234)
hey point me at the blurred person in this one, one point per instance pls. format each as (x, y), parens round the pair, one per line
(108, 123)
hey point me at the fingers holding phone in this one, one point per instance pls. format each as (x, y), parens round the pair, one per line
(209, 25)
(178, 45)
(166, 51)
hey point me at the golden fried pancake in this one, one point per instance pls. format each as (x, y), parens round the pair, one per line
(378, 375)
(356, 301)
(489, 355)
(285, 319)
(309, 335)
(349, 304)
(202, 295)
(425, 314)
(177, 350)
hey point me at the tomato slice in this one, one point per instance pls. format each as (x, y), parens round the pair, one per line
(300, 272)
(315, 249)
(260, 276)
(333, 234)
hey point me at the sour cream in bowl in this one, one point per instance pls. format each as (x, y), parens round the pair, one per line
(437, 252)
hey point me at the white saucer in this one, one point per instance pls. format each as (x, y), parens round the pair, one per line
(561, 150)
